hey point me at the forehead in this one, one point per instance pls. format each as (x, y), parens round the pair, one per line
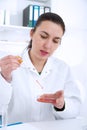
(50, 27)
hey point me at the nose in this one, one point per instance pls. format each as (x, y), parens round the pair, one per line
(48, 44)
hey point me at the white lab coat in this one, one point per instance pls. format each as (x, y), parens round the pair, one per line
(22, 93)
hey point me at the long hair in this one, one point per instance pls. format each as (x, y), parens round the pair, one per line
(49, 16)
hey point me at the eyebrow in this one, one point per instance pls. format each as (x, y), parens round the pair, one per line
(48, 34)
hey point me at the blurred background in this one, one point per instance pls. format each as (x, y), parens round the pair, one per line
(14, 37)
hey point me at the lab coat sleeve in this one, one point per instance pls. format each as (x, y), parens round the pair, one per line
(72, 109)
(5, 91)
(72, 99)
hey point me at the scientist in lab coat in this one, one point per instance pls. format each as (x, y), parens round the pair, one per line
(36, 86)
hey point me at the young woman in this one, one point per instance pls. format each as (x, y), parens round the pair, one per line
(37, 86)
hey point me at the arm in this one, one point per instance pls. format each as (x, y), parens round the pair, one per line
(57, 99)
(72, 98)
(66, 103)
(7, 65)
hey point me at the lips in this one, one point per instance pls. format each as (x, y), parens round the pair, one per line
(44, 53)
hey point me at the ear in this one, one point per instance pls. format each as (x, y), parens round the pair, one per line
(31, 32)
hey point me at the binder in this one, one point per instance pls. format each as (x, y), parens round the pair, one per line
(28, 16)
(31, 14)
(41, 10)
(36, 9)
(6, 17)
(47, 9)
(1, 16)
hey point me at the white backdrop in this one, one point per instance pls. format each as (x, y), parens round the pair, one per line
(73, 49)
(74, 43)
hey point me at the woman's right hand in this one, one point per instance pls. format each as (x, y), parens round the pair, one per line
(8, 64)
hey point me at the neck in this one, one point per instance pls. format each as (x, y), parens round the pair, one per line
(38, 63)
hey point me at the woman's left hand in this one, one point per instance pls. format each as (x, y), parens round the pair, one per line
(57, 99)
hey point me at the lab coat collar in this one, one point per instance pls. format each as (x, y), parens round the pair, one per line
(28, 64)
(26, 61)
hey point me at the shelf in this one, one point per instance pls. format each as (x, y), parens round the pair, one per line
(14, 33)
(39, 0)
(13, 47)
(13, 43)
(14, 37)
(15, 28)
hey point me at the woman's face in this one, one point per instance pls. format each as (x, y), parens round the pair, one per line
(45, 39)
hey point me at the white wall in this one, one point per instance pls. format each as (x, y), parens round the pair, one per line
(74, 43)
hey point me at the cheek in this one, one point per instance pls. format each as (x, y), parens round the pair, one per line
(55, 47)
(36, 39)
(37, 42)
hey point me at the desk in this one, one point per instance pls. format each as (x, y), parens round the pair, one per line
(69, 124)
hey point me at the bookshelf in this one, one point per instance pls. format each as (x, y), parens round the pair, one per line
(13, 33)
(13, 38)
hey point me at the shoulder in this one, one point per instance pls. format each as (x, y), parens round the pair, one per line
(58, 62)
(59, 66)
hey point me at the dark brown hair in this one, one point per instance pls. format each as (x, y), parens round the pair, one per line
(49, 16)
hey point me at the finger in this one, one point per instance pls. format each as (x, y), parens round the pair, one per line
(47, 96)
(11, 59)
(19, 59)
(47, 100)
(8, 60)
(59, 94)
(59, 102)
(50, 97)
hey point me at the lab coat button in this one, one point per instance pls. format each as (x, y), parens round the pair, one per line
(34, 69)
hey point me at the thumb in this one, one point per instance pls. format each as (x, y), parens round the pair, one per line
(59, 94)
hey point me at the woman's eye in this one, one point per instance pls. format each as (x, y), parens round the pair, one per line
(57, 41)
(44, 37)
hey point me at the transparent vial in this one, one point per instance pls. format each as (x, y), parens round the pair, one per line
(3, 117)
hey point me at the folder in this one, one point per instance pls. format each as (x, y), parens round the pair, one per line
(28, 16)
(1, 16)
(31, 14)
(6, 17)
(41, 10)
(36, 9)
(47, 9)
